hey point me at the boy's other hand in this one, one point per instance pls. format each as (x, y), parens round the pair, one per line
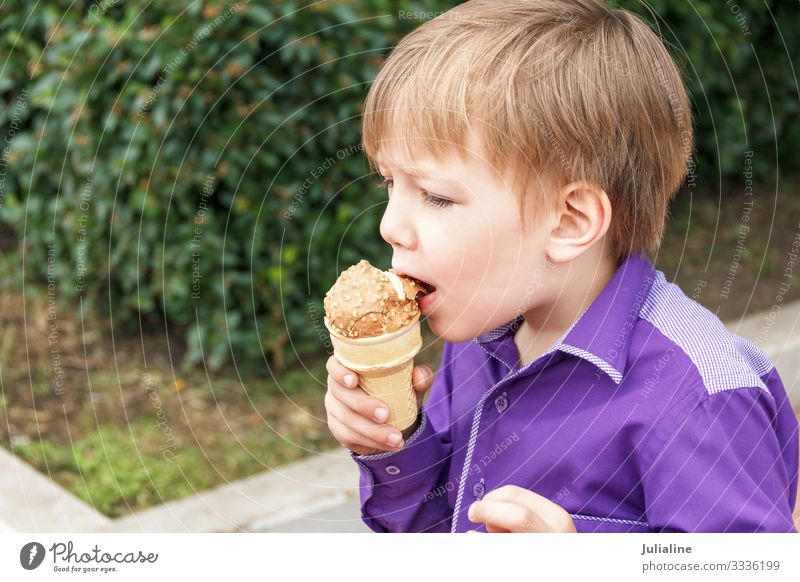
(510, 509)
(358, 420)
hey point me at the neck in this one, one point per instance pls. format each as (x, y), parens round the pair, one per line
(580, 282)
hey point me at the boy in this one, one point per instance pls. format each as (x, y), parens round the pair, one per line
(530, 149)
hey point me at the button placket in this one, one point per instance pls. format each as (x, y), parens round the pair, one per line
(476, 419)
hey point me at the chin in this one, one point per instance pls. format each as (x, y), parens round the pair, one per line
(450, 333)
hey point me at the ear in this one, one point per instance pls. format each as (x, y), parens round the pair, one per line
(582, 218)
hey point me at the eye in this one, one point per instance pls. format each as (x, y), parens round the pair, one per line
(432, 200)
(427, 197)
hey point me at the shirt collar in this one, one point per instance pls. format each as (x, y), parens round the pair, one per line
(601, 335)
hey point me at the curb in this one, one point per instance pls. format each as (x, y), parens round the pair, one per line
(30, 501)
(263, 501)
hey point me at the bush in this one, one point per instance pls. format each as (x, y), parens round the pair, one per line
(738, 57)
(205, 165)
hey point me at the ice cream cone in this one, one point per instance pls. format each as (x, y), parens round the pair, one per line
(384, 364)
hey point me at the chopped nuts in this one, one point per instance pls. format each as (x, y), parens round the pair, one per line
(375, 311)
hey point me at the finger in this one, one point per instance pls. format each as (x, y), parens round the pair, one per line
(500, 516)
(383, 436)
(344, 376)
(493, 529)
(353, 439)
(549, 515)
(360, 449)
(422, 378)
(534, 502)
(359, 401)
(514, 494)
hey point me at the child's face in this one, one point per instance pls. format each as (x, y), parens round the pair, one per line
(455, 225)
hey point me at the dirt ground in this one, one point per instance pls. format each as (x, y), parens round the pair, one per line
(730, 256)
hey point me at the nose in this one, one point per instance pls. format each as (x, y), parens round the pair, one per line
(397, 225)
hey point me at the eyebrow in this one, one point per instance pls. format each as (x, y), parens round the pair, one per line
(422, 174)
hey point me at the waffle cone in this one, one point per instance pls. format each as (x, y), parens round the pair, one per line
(384, 364)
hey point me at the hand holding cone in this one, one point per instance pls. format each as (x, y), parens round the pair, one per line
(373, 319)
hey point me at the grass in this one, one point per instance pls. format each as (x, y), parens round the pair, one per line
(113, 471)
(121, 469)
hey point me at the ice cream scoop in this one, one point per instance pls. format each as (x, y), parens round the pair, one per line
(367, 302)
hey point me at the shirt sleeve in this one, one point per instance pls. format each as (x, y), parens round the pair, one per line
(404, 491)
(720, 467)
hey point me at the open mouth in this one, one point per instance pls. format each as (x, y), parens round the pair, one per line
(426, 287)
(411, 285)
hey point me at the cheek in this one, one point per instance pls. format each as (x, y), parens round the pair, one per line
(488, 261)
(448, 248)
(490, 293)
(474, 264)
(483, 267)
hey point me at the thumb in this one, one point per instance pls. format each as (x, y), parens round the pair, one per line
(422, 378)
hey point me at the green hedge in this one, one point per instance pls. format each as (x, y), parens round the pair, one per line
(740, 62)
(205, 165)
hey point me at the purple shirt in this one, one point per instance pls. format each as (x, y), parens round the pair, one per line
(646, 415)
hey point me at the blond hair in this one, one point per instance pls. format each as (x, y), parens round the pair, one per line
(568, 89)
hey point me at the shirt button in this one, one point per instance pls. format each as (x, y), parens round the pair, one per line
(477, 489)
(501, 402)
(392, 469)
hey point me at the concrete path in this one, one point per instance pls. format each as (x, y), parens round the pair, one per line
(30, 501)
(293, 493)
(343, 518)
